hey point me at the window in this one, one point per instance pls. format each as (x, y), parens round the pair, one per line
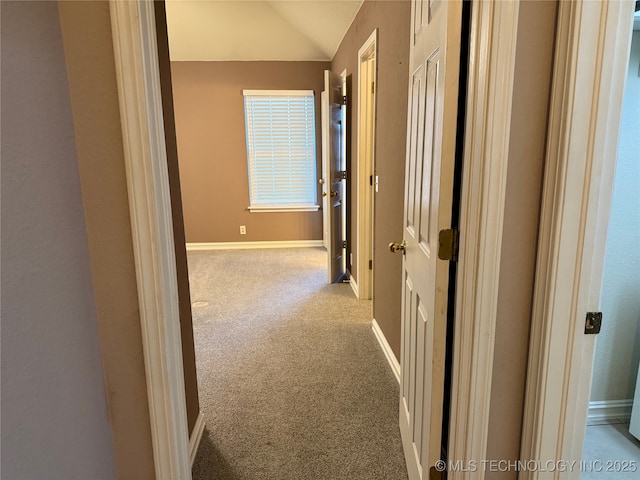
(281, 149)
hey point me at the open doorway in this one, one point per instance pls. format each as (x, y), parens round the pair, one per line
(335, 174)
(383, 96)
(367, 180)
(615, 397)
(578, 186)
(205, 93)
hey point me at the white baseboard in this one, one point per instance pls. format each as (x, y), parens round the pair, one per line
(196, 436)
(386, 348)
(252, 245)
(354, 286)
(609, 411)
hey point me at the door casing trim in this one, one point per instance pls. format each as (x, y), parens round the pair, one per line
(592, 52)
(366, 167)
(492, 56)
(141, 115)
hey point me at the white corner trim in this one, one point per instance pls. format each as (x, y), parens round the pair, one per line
(492, 64)
(354, 287)
(254, 245)
(592, 53)
(609, 411)
(386, 349)
(196, 436)
(141, 116)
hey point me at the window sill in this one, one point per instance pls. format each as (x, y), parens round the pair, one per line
(283, 208)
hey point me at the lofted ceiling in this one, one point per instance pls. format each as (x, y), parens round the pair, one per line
(217, 30)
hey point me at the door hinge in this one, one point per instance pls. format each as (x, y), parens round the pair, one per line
(371, 180)
(342, 174)
(448, 244)
(344, 244)
(345, 101)
(373, 87)
(437, 474)
(370, 264)
(593, 323)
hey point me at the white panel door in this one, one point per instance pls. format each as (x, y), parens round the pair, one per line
(324, 116)
(431, 134)
(334, 186)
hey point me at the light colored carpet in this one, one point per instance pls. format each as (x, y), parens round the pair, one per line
(292, 382)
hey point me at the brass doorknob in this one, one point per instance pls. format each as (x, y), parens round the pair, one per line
(397, 247)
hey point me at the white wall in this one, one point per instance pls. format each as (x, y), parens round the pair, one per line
(54, 413)
(618, 345)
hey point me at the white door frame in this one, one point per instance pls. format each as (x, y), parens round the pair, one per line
(138, 76)
(492, 56)
(366, 167)
(492, 60)
(592, 53)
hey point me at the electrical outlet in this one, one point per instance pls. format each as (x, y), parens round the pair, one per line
(243, 230)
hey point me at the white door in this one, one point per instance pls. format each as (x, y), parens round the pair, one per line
(431, 130)
(333, 189)
(324, 116)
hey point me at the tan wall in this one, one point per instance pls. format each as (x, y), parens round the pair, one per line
(534, 50)
(54, 405)
(86, 30)
(184, 297)
(209, 111)
(392, 20)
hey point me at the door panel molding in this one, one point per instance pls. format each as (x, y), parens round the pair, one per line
(432, 125)
(592, 52)
(491, 72)
(138, 77)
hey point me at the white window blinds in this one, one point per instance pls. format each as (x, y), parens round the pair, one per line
(281, 149)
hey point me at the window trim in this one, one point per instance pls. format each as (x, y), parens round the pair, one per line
(283, 208)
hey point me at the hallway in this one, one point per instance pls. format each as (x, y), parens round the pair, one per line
(292, 382)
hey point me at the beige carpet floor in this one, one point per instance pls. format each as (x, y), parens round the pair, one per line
(292, 382)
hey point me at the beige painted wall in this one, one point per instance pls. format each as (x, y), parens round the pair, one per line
(209, 111)
(392, 20)
(86, 31)
(534, 51)
(54, 406)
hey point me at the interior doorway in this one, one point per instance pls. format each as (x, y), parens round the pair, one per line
(334, 174)
(367, 179)
(613, 421)
(578, 186)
